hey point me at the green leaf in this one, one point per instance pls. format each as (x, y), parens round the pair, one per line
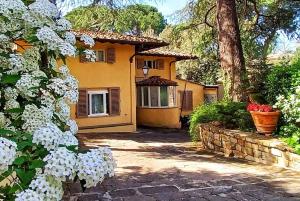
(36, 164)
(10, 79)
(23, 145)
(14, 110)
(72, 148)
(25, 176)
(4, 131)
(20, 160)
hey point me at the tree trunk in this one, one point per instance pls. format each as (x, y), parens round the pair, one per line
(231, 52)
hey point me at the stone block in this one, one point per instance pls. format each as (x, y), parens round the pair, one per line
(257, 153)
(250, 158)
(255, 146)
(281, 161)
(238, 147)
(233, 140)
(248, 145)
(263, 148)
(249, 151)
(241, 142)
(276, 152)
(217, 142)
(238, 154)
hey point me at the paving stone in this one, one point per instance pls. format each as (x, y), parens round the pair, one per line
(157, 189)
(151, 163)
(249, 180)
(223, 183)
(193, 185)
(123, 193)
(139, 198)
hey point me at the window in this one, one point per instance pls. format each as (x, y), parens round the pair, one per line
(98, 103)
(151, 64)
(100, 55)
(156, 96)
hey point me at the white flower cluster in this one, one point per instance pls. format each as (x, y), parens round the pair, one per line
(49, 136)
(87, 40)
(7, 153)
(61, 164)
(90, 55)
(29, 83)
(70, 38)
(73, 128)
(290, 106)
(62, 110)
(44, 8)
(35, 117)
(68, 139)
(29, 195)
(63, 25)
(94, 165)
(47, 187)
(45, 96)
(16, 62)
(54, 42)
(8, 7)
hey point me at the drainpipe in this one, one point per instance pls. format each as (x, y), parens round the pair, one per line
(170, 71)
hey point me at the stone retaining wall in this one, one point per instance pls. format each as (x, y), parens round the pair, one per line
(250, 146)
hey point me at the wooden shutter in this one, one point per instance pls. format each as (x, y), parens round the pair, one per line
(160, 64)
(82, 58)
(186, 100)
(139, 63)
(82, 105)
(114, 101)
(110, 55)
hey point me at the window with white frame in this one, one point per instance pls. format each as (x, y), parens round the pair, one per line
(151, 64)
(100, 55)
(156, 96)
(98, 102)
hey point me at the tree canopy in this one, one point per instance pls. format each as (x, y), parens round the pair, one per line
(259, 23)
(134, 19)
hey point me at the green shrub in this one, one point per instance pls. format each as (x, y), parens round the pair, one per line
(291, 135)
(231, 115)
(279, 81)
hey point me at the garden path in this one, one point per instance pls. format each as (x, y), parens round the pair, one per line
(163, 165)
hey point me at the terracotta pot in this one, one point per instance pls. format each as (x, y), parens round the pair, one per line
(265, 122)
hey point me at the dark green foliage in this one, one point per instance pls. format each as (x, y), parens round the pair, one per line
(134, 19)
(231, 115)
(279, 81)
(291, 135)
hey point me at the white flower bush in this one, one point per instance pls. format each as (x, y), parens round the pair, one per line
(38, 141)
(7, 154)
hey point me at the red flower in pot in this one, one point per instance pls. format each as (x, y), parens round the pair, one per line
(265, 118)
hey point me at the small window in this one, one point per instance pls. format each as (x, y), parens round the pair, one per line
(98, 103)
(151, 64)
(157, 96)
(100, 55)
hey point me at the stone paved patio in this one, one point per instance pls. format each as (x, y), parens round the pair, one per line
(163, 165)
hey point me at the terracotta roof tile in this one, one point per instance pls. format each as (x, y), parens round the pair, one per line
(156, 81)
(166, 53)
(122, 38)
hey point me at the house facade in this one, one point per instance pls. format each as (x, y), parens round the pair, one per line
(116, 96)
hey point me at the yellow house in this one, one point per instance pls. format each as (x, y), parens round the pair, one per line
(115, 95)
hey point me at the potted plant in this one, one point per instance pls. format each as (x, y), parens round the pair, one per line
(265, 118)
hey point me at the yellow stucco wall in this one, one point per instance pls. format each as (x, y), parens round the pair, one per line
(158, 117)
(101, 75)
(198, 94)
(167, 117)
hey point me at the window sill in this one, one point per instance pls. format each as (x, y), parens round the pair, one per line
(98, 115)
